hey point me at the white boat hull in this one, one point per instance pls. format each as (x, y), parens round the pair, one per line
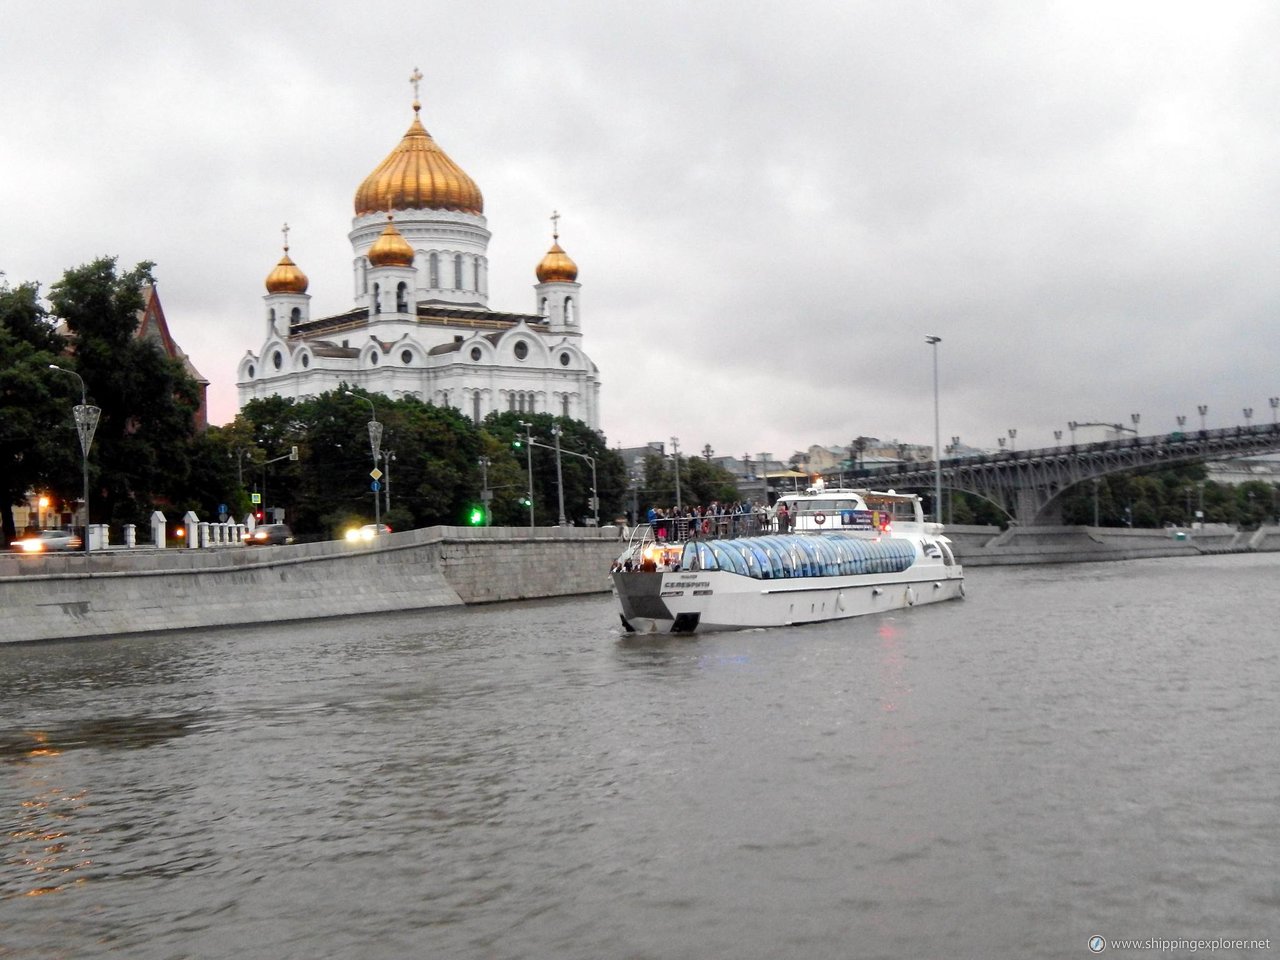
(682, 602)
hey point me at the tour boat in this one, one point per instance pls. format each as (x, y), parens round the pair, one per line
(824, 554)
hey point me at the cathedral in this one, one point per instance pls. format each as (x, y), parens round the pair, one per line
(421, 325)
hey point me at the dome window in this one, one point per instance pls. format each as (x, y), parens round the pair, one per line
(277, 359)
(521, 350)
(373, 359)
(476, 354)
(564, 359)
(251, 371)
(306, 360)
(406, 357)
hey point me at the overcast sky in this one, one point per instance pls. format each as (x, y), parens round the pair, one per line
(770, 205)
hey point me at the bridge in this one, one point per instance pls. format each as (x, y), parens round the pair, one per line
(1028, 484)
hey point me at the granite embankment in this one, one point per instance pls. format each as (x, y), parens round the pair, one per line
(990, 546)
(134, 591)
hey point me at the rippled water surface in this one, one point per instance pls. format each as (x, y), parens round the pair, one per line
(1073, 750)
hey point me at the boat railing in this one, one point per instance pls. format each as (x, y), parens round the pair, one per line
(725, 526)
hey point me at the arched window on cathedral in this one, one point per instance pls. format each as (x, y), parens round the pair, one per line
(475, 406)
(271, 317)
(295, 316)
(362, 268)
(402, 297)
(457, 272)
(377, 298)
(542, 308)
(480, 278)
(511, 398)
(433, 271)
(568, 311)
(564, 406)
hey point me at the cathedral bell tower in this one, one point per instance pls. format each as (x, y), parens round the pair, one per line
(557, 289)
(391, 273)
(287, 300)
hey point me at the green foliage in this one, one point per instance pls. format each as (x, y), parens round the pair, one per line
(142, 444)
(701, 482)
(38, 444)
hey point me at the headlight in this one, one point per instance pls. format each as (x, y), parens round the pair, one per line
(32, 546)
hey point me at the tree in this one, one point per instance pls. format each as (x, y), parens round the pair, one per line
(148, 401)
(37, 435)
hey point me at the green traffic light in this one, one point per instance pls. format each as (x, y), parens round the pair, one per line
(476, 517)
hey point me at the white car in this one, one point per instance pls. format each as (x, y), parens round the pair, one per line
(367, 532)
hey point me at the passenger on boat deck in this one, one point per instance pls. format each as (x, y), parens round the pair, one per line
(784, 519)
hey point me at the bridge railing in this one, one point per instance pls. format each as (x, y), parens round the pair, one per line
(1176, 442)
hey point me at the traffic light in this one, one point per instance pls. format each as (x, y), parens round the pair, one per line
(257, 515)
(517, 444)
(526, 502)
(475, 516)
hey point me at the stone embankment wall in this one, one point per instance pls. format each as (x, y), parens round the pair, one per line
(134, 591)
(989, 546)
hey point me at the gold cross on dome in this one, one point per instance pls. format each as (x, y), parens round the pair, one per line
(285, 230)
(415, 78)
(555, 225)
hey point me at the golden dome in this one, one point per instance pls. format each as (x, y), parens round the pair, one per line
(286, 277)
(418, 175)
(556, 266)
(391, 249)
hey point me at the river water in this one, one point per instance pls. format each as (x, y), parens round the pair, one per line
(1072, 751)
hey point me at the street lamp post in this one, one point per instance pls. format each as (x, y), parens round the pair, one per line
(1204, 409)
(86, 419)
(1182, 422)
(1057, 437)
(1248, 417)
(1072, 427)
(375, 441)
(486, 495)
(555, 432)
(388, 456)
(675, 457)
(528, 447)
(1275, 405)
(1135, 417)
(937, 435)
(1013, 435)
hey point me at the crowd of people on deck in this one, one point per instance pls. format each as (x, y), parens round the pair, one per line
(716, 519)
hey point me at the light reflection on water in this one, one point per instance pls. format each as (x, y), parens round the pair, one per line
(1072, 750)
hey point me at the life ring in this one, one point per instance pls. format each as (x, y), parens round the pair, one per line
(911, 597)
(706, 526)
(819, 518)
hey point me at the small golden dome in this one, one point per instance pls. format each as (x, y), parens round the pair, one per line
(556, 266)
(286, 277)
(418, 175)
(391, 249)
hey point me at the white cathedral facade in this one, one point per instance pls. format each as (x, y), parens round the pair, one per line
(421, 325)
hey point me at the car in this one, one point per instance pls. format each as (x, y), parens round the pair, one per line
(367, 532)
(45, 541)
(268, 533)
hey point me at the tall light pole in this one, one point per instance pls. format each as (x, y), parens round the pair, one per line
(937, 435)
(1013, 435)
(1135, 417)
(1248, 417)
(1072, 427)
(528, 447)
(86, 418)
(555, 432)
(675, 453)
(1203, 408)
(1275, 405)
(1182, 421)
(375, 441)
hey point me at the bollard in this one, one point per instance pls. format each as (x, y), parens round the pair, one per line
(130, 535)
(159, 530)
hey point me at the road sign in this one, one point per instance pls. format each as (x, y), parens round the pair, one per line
(255, 498)
(222, 508)
(375, 486)
(375, 473)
